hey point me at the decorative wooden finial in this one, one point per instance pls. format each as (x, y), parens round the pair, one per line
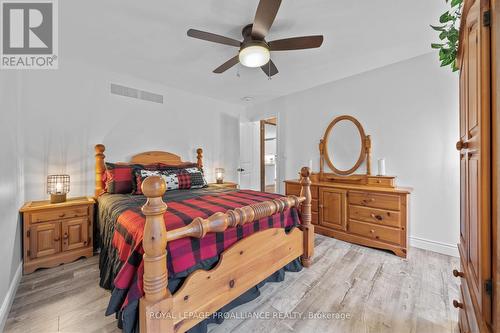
(99, 169)
(199, 157)
(321, 157)
(154, 187)
(306, 216)
(368, 144)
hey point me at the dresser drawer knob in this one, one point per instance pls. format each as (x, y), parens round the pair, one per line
(456, 273)
(62, 215)
(372, 231)
(377, 217)
(367, 201)
(457, 304)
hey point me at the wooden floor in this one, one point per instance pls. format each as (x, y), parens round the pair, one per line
(379, 291)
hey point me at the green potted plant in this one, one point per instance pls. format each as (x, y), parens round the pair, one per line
(448, 34)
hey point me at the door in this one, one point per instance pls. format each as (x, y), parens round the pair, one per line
(45, 239)
(332, 208)
(249, 156)
(75, 233)
(474, 147)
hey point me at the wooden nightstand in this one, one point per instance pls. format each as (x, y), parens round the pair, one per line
(56, 234)
(225, 185)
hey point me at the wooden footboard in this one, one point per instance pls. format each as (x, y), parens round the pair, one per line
(240, 267)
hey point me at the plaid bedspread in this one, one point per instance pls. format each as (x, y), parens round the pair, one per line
(186, 253)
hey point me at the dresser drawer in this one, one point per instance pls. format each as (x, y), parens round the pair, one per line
(375, 200)
(57, 214)
(375, 232)
(380, 181)
(292, 189)
(374, 215)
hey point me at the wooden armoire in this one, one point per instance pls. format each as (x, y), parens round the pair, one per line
(479, 270)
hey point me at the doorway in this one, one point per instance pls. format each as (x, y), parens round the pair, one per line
(268, 155)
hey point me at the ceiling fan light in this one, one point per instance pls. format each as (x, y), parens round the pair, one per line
(254, 56)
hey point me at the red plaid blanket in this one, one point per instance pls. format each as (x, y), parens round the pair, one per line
(186, 253)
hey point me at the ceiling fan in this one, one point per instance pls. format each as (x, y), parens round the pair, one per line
(255, 51)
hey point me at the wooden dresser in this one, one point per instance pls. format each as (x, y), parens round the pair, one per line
(370, 211)
(55, 234)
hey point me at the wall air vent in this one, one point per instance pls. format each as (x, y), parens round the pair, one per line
(117, 89)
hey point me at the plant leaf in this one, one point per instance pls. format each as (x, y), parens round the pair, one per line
(455, 3)
(436, 46)
(446, 17)
(438, 28)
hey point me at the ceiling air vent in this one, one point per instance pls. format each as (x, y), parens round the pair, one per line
(117, 89)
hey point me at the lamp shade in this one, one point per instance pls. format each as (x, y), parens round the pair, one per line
(219, 175)
(57, 187)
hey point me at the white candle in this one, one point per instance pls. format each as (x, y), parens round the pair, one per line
(311, 164)
(381, 167)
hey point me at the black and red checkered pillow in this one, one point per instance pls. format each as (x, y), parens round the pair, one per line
(119, 177)
(180, 178)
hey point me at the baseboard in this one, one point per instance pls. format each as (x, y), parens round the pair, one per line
(9, 298)
(439, 247)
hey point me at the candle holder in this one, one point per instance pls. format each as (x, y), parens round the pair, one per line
(219, 175)
(57, 187)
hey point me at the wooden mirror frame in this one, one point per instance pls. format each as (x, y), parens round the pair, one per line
(364, 154)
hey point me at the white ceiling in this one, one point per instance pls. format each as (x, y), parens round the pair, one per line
(148, 39)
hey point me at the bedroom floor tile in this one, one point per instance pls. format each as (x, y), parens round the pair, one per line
(377, 290)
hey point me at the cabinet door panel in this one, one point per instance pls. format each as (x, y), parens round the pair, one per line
(75, 234)
(333, 209)
(45, 239)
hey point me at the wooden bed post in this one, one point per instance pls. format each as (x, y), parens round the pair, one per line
(307, 227)
(157, 300)
(199, 158)
(99, 169)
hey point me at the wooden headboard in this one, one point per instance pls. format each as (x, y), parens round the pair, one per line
(148, 157)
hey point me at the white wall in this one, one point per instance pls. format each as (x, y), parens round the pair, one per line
(11, 190)
(411, 111)
(66, 112)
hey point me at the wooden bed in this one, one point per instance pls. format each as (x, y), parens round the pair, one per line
(240, 267)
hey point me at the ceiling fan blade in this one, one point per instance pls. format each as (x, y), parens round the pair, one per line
(296, 43)
(208, 36)
(270, 68)
(264, 17)
(228, 64)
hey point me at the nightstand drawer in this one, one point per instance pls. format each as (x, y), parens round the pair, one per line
(58, 214)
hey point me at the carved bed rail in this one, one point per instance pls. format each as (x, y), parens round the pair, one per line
(157, 297)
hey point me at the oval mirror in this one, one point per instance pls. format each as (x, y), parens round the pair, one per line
(344, 145)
